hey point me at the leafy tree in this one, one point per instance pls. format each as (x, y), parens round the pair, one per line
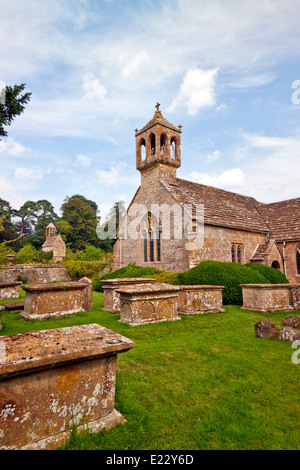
(78, 222)
(12, 104)
(7, 231)
(111, 223)
(44, 215)
(28, 216)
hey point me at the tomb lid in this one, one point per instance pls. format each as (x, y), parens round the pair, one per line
(271, 286)
(9, 284)
(148, 288)
(128, 280)
(62, 286)
(23, 353)
(199, 286)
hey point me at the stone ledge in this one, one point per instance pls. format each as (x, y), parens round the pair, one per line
(63, 286)
(62, 345)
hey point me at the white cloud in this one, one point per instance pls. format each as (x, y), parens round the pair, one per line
(197, 90)
(232, 179)
(10, 148)
(28, 174)
(93, 88)
(83, 160)
(133, 67)
(116, 176)
(252, 81)
(213, 157)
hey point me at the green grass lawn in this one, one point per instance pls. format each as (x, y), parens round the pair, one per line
(204, 382)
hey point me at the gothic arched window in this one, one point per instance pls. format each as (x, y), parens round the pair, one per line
(158, 246)
(233, 253)
(239, 254)
(145, 237)
(152, 143)
(143, 149)
(298, 261)
(173, 147)
(151, 239)
(151, 245)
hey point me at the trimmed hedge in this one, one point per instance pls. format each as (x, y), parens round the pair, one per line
(230, 275)
(273, 275)
(216, 273)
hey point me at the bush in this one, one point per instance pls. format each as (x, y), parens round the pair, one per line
(27, 254)
(136, 271)
(91, 253)
(273, 275)
(80, 268)
(229, 275)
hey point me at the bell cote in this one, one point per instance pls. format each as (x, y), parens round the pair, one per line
(158, 144)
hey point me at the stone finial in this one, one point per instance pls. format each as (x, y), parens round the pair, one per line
(157, 107)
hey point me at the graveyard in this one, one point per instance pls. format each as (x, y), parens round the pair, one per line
(207, 381)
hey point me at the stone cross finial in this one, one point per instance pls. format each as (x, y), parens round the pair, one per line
(157, 106)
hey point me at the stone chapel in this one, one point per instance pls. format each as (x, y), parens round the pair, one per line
(236, 228)
(54, 243)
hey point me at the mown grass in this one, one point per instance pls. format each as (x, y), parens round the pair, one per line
(204, 382)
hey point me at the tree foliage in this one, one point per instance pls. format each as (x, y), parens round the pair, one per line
(12, 104)
(79, 222)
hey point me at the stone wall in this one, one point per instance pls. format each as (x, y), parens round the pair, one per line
(35, 273)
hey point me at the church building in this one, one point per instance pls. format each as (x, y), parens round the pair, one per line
(234, 227)
(54, 243)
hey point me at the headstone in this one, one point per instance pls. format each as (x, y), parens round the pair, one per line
(290, 328)
(267, 329)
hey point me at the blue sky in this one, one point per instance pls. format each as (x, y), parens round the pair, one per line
(223, 69)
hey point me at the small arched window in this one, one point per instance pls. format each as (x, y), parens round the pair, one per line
(239, 254)
(173, 147)
(233, 253)
(158, 241)
(298, 260)
(143, 149)
(145, 245)
(151, 246)
(163, 143)
(152, 142)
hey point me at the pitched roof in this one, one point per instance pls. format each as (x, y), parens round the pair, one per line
(283, 218)
(158, 119)
(221, 208)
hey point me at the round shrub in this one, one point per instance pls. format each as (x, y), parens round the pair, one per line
(229, 275)
(273, 275)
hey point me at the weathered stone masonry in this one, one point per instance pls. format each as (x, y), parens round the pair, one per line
(236, 227)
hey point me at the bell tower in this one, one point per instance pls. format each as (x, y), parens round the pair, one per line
(158, 148)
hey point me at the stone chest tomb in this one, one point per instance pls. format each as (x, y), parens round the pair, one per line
(111, 296)
(270, 297)
(150, 303)
(9, 290)
(194, 300)
(51, 380)
(54, 300)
